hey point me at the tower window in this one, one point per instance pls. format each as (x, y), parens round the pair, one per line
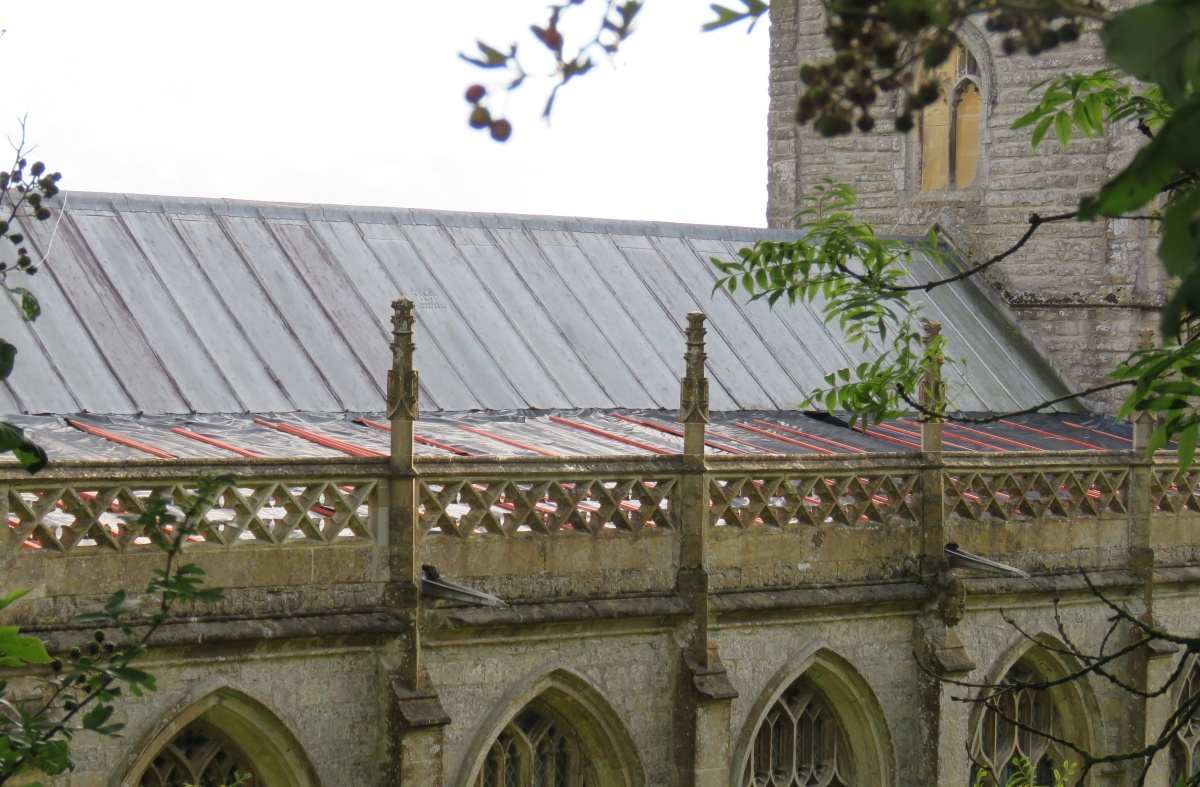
(951, 126)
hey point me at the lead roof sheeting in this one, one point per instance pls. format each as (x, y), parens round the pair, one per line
(164, 305)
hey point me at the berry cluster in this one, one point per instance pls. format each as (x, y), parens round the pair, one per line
(482, 118)
(881, 46)
(20, 190)
(1031, 33)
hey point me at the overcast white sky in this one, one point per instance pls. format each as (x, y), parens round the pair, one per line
(361, 103)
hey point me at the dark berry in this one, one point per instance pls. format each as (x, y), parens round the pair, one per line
(480, 118)
(501, 130)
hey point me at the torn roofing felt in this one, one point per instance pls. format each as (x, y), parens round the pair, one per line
(564, 433)
(164, 305)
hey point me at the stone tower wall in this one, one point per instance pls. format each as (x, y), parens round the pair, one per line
(1081, 290)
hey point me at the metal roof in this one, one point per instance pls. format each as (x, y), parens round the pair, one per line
(162, 305)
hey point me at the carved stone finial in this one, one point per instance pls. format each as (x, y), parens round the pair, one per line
(693, 394)
(403, 387)
(1146, 339)
(932, 331)
(933, 389)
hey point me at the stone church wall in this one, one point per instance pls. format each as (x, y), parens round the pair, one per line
(846, 599)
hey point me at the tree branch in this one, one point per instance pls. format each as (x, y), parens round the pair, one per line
(933, 414)
(1035, 221)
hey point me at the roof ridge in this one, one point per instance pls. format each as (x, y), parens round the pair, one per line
(222, 206)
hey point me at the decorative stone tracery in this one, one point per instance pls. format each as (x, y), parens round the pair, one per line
(1184, 760)
(800, 743)
(998, 742)
(203, 756)
(538, 749)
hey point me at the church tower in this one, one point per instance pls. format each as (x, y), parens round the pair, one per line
(1081, 290)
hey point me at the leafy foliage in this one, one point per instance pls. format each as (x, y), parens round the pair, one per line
(80, 691)
(879, 47)
(616, 23)
(1089, 102)
(858, 280)
(24, 189)
(1167, 384)
(754, 9)
(1025, 775)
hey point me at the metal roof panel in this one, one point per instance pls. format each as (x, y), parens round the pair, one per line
(165, 305)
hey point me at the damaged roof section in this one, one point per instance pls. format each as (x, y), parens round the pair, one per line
(168, 306)
(570, 433)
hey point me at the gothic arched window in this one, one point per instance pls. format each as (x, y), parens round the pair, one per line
(951, 126)
(998, 742)
(199, 755)
(538, 749)
(800, 743)
(1185, 749)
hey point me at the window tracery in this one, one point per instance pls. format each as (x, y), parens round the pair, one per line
(800, 743)
(998, 742)
(538, 749)
(1184, 756)
(951, 126)
(199, 755)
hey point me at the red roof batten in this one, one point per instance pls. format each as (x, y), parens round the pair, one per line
(120, 439)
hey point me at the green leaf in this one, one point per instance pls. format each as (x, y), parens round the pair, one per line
(1157, 42)
(129, 674)
(492, 57)
(1187, 446)
(96, 717)
(11, 597)
(8, 356)
(728, 16)
(1062, 129)
(1082, 121)
(1173, 149)
(31, 455)
(1180, 247)
(30, 308)
(28, 649)
(1039, 132)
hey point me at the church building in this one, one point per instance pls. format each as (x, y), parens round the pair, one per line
(523, 502)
